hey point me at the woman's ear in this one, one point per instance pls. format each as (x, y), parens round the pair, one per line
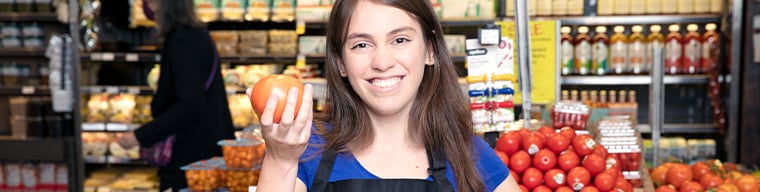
(342, 69)
(430, 57)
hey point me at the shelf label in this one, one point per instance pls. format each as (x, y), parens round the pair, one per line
(300, 27)
(93, 127)
(96, 57)
(133, 90)
(117, 127)
(543, 41)
(131, 57)
(27, 90)
(108, 57)
(112, 90)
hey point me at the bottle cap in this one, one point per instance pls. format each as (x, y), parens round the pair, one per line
(637, 29)
(566, 30)
(619, 29)
(655, 28)
(601, 29)
(583, 29)
(674, 27)
(692, 27)
(711, 26)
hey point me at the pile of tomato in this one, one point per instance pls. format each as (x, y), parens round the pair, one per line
(545, 160)
(709, 175)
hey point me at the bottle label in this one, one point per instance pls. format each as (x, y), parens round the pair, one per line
(618, 54)
(709, 54)
(583, 57)
(567, 57)
(637, 54)
(673, 54)
(600, 58)
(691, 58)
(651, 47)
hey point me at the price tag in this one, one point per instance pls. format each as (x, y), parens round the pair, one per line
(491, 35)
(96, 57)
(117, 127)
(112, 90)
(27, 90)
(132, 57)
(93, 127)
(301, 61)
(108, 57)
(300, 27)
(133, 90)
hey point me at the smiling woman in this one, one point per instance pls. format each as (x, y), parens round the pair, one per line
(396, 118)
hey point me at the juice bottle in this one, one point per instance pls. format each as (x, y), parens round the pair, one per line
(638, 7)
(566, 48)
(582, 51)
(600, 51)
(621, 96)
(701, 6)
(636, 50)
(593, 101)
(574, 95)
(685, 6)
(655, 41)
(602, 99)
(559, 7)
(692, 49)
(565, 95)
(619, 51)
(710, 51)
(622, 7)
(632, 97)
(613, 97)
(584, 96)
(653, 7)
(605, 7)
(674, 50)
(669, 6)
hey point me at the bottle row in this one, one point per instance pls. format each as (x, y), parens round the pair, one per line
(600, 98)
(600, 54)
(29, 35)
(620, 7)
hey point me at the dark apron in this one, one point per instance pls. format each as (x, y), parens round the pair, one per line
(437, 170)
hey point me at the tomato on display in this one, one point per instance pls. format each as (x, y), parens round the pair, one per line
(275, 85)
(532, 178)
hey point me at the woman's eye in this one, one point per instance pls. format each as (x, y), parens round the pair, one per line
(400, 40)
(360, 45)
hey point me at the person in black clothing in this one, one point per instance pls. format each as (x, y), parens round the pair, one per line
(190, 102)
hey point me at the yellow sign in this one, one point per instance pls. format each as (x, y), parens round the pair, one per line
(543, 44)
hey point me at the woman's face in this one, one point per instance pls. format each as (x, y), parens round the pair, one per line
(384, 57)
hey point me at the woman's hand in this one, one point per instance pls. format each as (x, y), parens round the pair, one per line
(286, 141)
(128, 140)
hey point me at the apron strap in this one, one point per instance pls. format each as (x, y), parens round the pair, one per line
(323, 171)
(437, 169)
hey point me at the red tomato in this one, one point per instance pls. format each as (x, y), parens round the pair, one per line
(590, 189)
(546, 131)
(544, 160)
(699, 169)
(533, 143)
(623, 185)
(542, 188)
(564, 189)
(666, 188)
(557, 143)
(532, 178)
(523, 188)
(568, 160)
(678, 175)
(633, 165)
(504, 158)
(578, 178)
(691, 186)
(584, 145)
(594, 163)
(604, 181)
(554, 178)
(509, 143)
(601, 151)
(519, 162)
(524, 133)
(568, 132)
(710, 181)
(275, 85)
(613, 162)
(614, 171)
(747, 183)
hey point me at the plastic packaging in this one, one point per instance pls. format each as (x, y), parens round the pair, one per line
(258, 10)
(692, 50)
(566, 47)
(571, 114)
(674, 50)
(583, 55)
(637, 51)
(242, 153)
(232, 10)
(618, 52)
(202, 177)
(240, 179)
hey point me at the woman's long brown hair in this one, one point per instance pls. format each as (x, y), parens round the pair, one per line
(439, 117)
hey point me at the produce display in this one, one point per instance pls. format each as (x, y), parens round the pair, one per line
(246, 154)
(214, 175)
(257, 42)
(711, 175)
(546, 160)
(122, 180)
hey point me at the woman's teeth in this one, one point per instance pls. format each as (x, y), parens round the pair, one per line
(385, 83)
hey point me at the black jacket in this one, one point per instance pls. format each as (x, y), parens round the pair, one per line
(181, 106)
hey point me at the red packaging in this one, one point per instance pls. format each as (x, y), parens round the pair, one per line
(571, 114)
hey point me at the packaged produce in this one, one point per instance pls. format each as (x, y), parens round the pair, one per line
(121, 108)
(241, 112)
(232, 10)
(97, 108)
(583, 53)
(118, 152)
(241, 179)
(502, 114)
(315, 45)
(570, 114)
(242, 153)
(142, 113)
(701, 6)
(202, 177)
(207, 10)
(95, 144)
(258, 10)
(618, 51)
(254, 38)
(710, 49)
(637, 51)
(692, 50)
(673, 50)
(283, 48)
(638, 7)
(283, 36)
(567, 54)
(283, 10)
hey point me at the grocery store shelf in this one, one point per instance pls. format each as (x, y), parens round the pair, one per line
(24, 90)
(683, 128)
(109, 160)
(28, 17)
(241, 59)
(139, 90)
(632, 80)
(268, 58)
(120, 57)
(22, 52)
(13, 149)
(638, 19)
(108, 127)
(444, 23)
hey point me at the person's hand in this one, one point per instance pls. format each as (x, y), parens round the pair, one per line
(128, 140)
(286, 141)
